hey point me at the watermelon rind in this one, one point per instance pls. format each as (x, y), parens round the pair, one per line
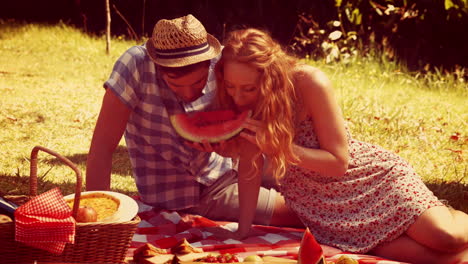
(220, 125)
(322, 261)
(310, 252)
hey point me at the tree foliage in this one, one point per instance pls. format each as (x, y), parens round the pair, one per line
(421, 32)
(417, 32)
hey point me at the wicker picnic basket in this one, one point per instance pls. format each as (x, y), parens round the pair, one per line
(97, 242)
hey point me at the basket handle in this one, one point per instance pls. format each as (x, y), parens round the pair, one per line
(33, 175)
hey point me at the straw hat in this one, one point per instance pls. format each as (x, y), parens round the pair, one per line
(181, 42)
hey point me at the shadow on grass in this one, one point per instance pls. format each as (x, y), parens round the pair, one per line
(120, 161)
(454, 192)
(18, 183)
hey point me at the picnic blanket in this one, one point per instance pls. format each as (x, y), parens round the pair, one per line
(165, 229)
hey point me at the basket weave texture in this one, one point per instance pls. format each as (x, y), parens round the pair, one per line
(95, 242)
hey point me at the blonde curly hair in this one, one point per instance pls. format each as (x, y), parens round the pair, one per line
(277, 95)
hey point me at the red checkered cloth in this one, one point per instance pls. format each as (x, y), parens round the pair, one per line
(45, 222)
(165, 229)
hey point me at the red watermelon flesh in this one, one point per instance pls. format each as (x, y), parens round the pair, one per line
(310, 252)
(211, 126)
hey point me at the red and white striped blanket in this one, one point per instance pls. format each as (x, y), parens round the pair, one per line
(165, 229)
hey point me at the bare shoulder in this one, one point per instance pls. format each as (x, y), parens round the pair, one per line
(307, 78)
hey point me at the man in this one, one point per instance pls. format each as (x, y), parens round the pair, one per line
(172, 73)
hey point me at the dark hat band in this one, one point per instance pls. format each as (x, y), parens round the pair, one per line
(182, 52)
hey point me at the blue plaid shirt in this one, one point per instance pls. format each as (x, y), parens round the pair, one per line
(168, 173)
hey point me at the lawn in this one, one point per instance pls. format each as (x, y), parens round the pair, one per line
(51, 80)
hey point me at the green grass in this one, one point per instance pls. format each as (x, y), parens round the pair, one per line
(51, 80)
(51, 84)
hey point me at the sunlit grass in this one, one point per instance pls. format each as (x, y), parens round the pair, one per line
(51, 84)
(51, 80)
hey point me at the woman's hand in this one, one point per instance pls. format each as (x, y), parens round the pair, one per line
(224, 233)
(252, 127)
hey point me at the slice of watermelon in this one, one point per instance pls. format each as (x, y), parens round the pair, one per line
(212, 126)
(310, 252)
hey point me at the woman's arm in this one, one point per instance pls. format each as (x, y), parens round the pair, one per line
(249, 180)
(320, 104)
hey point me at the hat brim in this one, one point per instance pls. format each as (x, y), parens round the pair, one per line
(213, 51)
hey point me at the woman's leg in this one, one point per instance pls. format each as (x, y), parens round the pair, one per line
(283, 215)
(406, 249)
(441, 228)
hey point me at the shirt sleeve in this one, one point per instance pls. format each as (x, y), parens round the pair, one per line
(125, 77)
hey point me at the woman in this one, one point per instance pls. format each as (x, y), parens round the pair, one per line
(351, 194)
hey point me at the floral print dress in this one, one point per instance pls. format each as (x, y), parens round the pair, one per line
(376, 200)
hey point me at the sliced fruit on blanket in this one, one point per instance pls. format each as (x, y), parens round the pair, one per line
(345, 259)
(219, 258)
(310, 252)
(212, 126)
(253, 259)
(278, 260)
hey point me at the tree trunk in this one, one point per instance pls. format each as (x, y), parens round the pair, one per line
(108, 27)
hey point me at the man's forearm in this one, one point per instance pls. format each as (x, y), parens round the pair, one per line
(98, 171)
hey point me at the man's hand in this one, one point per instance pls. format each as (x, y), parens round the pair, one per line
(229, 148)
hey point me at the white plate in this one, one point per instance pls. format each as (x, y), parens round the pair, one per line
(128, 207)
